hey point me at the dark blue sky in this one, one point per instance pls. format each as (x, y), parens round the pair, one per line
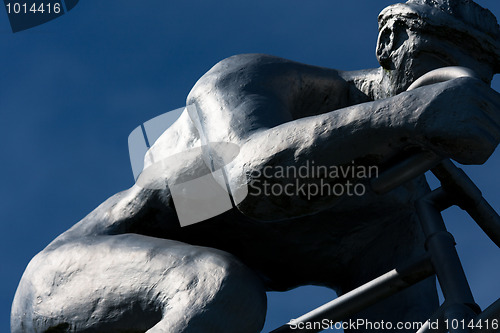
(73, 89)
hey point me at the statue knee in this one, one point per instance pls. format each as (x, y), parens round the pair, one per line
(224, 296)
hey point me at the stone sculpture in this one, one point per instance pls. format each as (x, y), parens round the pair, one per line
(129, 267)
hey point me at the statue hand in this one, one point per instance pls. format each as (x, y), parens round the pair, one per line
(459, 119)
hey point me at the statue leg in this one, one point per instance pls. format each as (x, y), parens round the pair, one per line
(136, 283)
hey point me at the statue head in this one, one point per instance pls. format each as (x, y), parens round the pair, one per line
(422, 35)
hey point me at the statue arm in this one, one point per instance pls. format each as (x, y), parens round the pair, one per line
(364, 133)
(457, 119)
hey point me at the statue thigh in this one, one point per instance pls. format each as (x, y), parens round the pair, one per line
(136, 283)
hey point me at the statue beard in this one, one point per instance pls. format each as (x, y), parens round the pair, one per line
(396, 81)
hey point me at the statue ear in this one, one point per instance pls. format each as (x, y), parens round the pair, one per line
(385, 47)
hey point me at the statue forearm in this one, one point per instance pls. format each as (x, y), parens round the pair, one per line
(374, 130)
(368, 134)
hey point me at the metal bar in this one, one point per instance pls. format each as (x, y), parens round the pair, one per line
(489, 319)
(453, 179)
(408, 169)
(457, 317)
(468, 196)
(487, 219)
(368, 294)
(440, 245)
(437, 317)
(441, 75)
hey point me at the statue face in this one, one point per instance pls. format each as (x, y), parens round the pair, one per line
(421, 35)
(406, 54)
(409, 53)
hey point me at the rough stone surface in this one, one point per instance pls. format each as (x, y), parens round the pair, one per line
(129, 267)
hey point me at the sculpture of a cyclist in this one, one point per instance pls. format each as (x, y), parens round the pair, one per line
(129, 266)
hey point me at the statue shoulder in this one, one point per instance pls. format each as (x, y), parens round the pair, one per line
(291, 82)
(247, 71)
